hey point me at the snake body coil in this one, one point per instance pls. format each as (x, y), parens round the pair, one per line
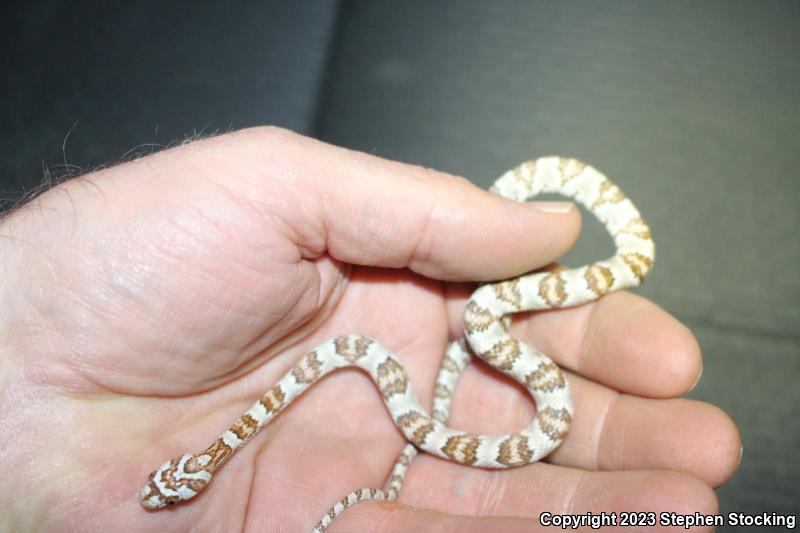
(486, 333)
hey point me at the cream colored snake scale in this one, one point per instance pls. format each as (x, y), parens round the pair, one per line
(486, 321)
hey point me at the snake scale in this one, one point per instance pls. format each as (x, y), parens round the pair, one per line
(486, 321)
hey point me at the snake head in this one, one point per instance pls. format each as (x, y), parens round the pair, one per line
(175, 481)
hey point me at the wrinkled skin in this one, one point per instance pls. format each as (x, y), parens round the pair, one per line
(144, 307)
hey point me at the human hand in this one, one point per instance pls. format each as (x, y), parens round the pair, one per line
(144, 307)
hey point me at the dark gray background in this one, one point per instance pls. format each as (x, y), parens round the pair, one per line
(693, 108)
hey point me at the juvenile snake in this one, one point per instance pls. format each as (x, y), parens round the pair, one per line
(486, 321)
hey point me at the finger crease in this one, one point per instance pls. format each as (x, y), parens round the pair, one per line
(570, 507)
(616, 460)
(587, 336)
(423, 248)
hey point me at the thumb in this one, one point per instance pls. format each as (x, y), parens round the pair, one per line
(376, 212)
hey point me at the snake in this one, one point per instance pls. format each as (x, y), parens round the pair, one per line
(487, 318)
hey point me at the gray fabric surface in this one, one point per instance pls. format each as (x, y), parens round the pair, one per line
(691, 107)
(115, 77)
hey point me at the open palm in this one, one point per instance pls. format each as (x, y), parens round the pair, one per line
(145, 307)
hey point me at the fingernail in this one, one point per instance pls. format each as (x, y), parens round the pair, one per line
(741, 453)
(553, 207)
(696, 381)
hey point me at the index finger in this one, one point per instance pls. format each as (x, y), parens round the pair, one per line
(622, 340)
